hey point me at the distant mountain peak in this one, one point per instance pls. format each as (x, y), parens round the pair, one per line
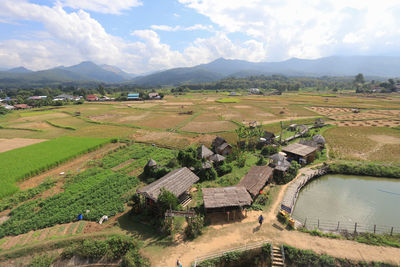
(19, 70)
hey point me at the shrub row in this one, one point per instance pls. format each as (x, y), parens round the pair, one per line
(371, 169)
(60, 126)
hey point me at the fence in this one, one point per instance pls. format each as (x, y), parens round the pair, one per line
(248, 246)
(343, 226)
(293, 190)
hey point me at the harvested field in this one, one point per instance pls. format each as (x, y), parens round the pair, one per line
(178, 104)
(364, 143)
(210, 126)
(10, 144)
(367, 123)
(328, 111)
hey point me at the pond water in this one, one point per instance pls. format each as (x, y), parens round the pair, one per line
(349, 199)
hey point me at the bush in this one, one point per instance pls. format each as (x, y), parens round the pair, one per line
(42, 261)
(269, 150)
(167, 200)
(207, 174)
(224, 169)
(133, 259)
(261, 161)
(290, 175)
(194, 227)
(370, 169)
(188, 158)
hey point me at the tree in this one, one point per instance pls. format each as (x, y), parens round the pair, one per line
(167, 200)
(359, 79)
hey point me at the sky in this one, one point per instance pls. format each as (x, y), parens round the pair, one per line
(141, 36)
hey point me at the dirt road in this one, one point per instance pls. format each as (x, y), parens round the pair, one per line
(235, 234)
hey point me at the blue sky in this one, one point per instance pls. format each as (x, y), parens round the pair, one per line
(139, 36)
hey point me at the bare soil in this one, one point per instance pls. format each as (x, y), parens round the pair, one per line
(10, 144)
(210, 126)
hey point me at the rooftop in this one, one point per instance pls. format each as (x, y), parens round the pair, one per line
(256, 179)
(299, 149)
(177, 182)
(226, 197)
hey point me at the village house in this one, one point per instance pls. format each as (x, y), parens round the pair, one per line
(269, 138)
(92, 98)
(22, 106)
(154, 95)
(254, 91)
(178, 182)
(37, 97)
(65, 97)
(133, 96)
(279, 163)
(226, 199)
(319, 122)
(8, 107)
(217, 158)
(256, 179)
(303, 154)
(320, 140)
(220, 146)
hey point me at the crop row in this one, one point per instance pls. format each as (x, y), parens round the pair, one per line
(23, 162)
(98, 191)
(141, 153)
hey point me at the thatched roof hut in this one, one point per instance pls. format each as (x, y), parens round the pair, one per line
(204, 152)
(256, 179)
(311, 143)
(222, 197)
(303, 154)
(217, 158)
(177, 182)
(151, 163)
(319, 139)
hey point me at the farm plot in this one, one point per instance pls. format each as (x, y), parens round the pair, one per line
(209, 127)
(10, 144)
(26, 161)
(136, 156)
(362, 116)
(328, 111)
(364, 143)
(101, 192)
(370, 123)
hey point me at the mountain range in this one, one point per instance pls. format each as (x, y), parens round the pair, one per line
(377, 66)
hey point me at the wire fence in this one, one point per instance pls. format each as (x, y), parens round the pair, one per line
(346, 226)
(248, 246)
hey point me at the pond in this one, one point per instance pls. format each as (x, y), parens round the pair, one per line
(348, 199)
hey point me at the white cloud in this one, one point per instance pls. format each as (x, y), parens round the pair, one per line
(306, 28)
(181, 28)
(102, 6)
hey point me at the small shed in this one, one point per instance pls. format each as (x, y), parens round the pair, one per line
(133, 96)
(256, 179)
(217, 158)
(280, 164)
(303, 154)
(178, 182)
(320, 140)
(217, 142)
(225, 198)
(204, 152)
(151, 163)
(224, 149)
(319, 122)
(269, 137)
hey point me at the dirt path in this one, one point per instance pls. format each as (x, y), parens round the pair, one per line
(247, 231)
(72, 165)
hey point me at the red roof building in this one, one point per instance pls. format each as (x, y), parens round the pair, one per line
(92, 98)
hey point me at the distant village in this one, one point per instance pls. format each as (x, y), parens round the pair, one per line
(9, 103)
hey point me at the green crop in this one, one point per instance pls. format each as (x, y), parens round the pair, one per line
(23, 162)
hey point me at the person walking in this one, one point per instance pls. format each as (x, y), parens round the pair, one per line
(178, 263)
(260, 219)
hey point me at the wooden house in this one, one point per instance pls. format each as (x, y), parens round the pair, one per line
(256, 179)
(217, 158)
(178, 182)
(280, 164)
(220, 146)
(303, 154)
(92, 98)
(222, 199)
(22, 106)
(133, 96)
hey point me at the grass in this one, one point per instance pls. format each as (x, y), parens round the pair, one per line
(228, 100)
(23, 162)
(364, 143)
(60, 126)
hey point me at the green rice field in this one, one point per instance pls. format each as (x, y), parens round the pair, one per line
(23, 162)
